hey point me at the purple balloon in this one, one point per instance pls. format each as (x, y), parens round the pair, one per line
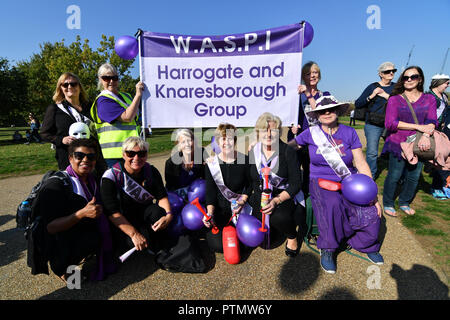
(126, 47)
(176, 202)
(176, 226)
(192, 217)
(197, 189)
(359, 189)
(309, 34)
(247, 230)
(215, 147)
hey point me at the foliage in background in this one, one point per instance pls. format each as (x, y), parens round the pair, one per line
(13, 88)
(29, 86)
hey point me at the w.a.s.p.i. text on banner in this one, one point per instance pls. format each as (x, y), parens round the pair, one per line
(201, 81)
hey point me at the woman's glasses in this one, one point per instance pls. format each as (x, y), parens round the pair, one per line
(80, 156)
(109, 78)
(72, 84)
(132, 154)
(413, 77)
(330, 110)
(389, 71)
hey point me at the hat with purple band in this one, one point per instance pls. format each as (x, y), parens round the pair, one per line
(328, 102)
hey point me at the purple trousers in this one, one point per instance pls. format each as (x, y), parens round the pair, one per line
(338, 219)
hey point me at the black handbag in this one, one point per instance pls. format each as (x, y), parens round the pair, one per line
(377, 119)
(360, 113)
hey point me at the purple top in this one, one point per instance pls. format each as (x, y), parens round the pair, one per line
(346, 139)
(397, 110)
(108, 109)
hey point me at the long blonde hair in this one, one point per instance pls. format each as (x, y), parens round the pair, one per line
(58, 95)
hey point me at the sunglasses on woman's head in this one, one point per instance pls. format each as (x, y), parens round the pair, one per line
(80, 156)
(140, 154)
(109, 78)
(72, 84)
(389, 71)
(413, 77)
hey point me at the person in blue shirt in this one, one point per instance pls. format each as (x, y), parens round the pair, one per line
(375, 97)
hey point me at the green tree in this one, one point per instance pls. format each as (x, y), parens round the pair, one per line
(44, 68)
(13, 95)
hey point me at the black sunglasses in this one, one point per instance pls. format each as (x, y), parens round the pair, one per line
(413, 77)
(80, 156)
(330, 110)
(140, 154)
(389, 71)
(72, 84)
(109, 78)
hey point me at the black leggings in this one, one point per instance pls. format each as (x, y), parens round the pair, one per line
(281, 219)
(156, 240)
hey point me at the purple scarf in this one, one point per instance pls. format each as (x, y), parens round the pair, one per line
(105, 263)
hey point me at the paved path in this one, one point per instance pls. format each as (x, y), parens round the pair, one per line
(408, 272)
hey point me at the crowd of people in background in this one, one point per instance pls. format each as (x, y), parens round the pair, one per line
(120, 201)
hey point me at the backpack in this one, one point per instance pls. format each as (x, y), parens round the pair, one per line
(35, 231)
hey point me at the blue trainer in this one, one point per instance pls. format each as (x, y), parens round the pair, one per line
(326, 261)
(376, 258)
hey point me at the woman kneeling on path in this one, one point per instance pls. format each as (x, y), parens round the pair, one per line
(128, 190)
(75, 223)
(284, 180)
(332, 149)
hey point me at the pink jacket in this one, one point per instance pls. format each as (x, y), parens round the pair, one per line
(441, 157)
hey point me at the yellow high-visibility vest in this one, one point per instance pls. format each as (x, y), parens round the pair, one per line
(112, 135)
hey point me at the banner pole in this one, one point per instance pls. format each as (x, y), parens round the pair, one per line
(143, 133)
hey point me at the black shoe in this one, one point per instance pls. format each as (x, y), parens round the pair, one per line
(291, 253)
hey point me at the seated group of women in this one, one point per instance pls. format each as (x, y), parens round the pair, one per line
(133, 198)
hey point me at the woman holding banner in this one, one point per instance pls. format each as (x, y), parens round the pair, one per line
(284, 180)
(114, 113)
(227, 179)
(332, 149)
(309, 93)
(186, 165)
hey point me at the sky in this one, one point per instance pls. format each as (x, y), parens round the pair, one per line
(351, 37)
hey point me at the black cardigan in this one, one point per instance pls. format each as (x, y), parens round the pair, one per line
(173, 172)
(287, 167)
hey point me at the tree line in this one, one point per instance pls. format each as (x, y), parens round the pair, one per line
(29, 85)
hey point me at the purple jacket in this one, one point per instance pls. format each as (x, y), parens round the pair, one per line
(397, 110)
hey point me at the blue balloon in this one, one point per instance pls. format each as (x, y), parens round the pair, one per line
(359, 189)
(197, 189)
(176, 202)
(192, 217)
(247, 228)
(126, 47)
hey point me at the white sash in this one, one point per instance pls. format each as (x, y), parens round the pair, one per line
(274, 180)
(216, 173)
(330, 154)
(74, 113)
(129, 186)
